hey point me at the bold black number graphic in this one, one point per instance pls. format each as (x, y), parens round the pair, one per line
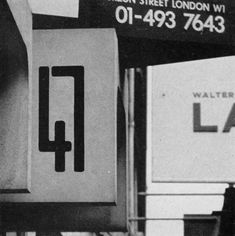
(59, 145)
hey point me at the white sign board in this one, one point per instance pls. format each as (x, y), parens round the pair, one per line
(191, 121)
(74, 117)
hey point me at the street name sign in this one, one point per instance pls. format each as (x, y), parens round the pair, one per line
(73, 134)
(184, 20)
(191, 114)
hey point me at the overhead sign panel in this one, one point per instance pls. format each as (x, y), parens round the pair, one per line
(65, 8)
(74, 109)
(186, 20)
(191, 113)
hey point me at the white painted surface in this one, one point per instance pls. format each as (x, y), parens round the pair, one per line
(96, 51)
(177, 206)
(179, 153)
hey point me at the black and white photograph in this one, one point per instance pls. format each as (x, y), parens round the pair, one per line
(117, 118)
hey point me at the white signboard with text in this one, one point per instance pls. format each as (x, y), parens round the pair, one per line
(191, 121)
(73, 130)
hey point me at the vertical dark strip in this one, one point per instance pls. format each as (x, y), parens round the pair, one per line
(79, 110)
(59, 142)
(43, 108)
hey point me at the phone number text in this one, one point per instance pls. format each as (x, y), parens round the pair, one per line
(159, 18)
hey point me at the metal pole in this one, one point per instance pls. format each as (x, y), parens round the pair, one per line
(131, 128)
(212, 218)
(180, 194)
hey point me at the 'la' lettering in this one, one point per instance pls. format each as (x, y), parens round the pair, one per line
(197, 124)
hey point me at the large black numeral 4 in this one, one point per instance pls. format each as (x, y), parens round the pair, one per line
(60, 145)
